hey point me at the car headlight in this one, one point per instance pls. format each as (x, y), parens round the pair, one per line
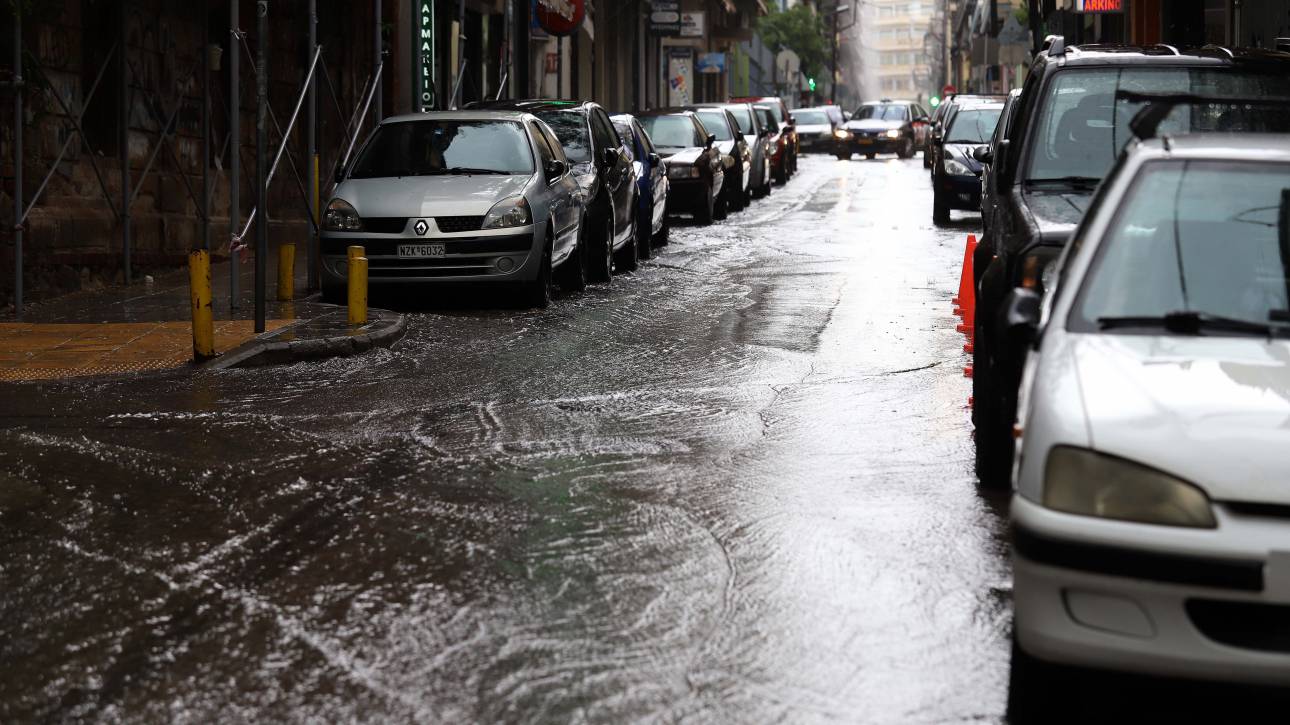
(341, 217)
(1080, 481)
(893, 133)
(683, 172)
(842, 134)
(512, 212)
(954, 167)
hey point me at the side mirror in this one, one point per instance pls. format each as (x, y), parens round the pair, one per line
(654, 160)
(922, 119)
(340, 173)
(1001, 165)
(983, 154)
(1019, 318)
(712, 138)
(555, 168)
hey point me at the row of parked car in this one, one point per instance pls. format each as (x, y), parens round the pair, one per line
(1131, 357)
(537, 193)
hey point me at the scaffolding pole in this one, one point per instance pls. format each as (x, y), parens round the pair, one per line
(261, 153)
(123, 139)
(17, 160)
(311, 143)
(206, 127)
(235, 158)
(377, 61)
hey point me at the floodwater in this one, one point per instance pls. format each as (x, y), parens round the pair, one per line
(735, 486)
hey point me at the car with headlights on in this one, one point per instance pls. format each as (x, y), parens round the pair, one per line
(757, 135)
(1151, 505)
(736, 157)
(606, 175)
(956, 173)
(815, 130)
(694, 167)
(651, 173)
(884, 127)
(461, 196)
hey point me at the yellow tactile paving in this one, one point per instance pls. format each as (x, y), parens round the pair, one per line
(34, 351)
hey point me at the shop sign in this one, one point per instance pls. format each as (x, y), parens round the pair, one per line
(425, 54)
(692, 25)
(711, 63)
(680, 76)
(1099, 6)
(560, 17)
(665, 17)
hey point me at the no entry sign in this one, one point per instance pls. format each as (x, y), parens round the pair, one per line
(560, 17)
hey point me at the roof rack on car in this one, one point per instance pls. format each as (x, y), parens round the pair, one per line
(1158, 105)
(1055, 45)
(1169, 48)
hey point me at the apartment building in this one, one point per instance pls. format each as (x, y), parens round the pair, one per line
(896, 31)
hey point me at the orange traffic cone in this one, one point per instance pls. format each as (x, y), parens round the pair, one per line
(967, 292)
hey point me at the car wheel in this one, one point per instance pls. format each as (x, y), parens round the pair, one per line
(664, 234)
(704, 215)
(572, 275)
(601, 254)
(627, 258)
(927, 159)
(871, 156)
(906, 150)
(644, 239)
(781, 174)
(536, 293)
(1036, 689)
(844, 156)
(721, 207)
(940, 207)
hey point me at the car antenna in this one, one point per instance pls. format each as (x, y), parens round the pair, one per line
(1157, 107)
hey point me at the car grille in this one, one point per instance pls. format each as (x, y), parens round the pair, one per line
(454, 224)
(385, 224)
(1248, 625)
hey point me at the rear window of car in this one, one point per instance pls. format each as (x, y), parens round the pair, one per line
(973, 125)
(811, 118)
(430, 147)
(1081, 127)
(744, 118)
(671, 131)
(571, 128)
(715, 122)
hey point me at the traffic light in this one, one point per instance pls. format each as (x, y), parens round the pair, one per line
(811, 83)
(934, 101)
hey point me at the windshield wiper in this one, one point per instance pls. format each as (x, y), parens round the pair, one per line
(1190, 322)
(467, 170)
(1081, 181)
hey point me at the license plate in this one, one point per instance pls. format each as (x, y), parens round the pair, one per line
(865, 141)
(418, 251)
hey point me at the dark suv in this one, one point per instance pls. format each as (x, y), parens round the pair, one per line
(1068, 130)
(605, 173)
(885, 127)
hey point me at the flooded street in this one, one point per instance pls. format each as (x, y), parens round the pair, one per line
(735, 486)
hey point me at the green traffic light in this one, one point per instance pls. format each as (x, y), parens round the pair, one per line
(934, 101)
(811, 83)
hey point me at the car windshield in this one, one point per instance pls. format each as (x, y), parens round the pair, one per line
(571, 128)
(715, 122)
(1207, 238)
(671, 131)
(743, 117)
(775, 111)
(424, 148)
(811, 118)
(881, 112)
(767, 119)
(1081, 128)
(973, 125)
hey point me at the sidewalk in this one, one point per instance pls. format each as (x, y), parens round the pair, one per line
(147, 327)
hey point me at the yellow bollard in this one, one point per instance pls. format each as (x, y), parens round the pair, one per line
(355, 251)
(357, 290)
(199, 284)
(286, 272)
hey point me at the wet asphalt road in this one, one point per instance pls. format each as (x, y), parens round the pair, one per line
(735, 486)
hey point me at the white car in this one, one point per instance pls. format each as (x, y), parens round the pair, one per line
(1151, 512)
(458, 196)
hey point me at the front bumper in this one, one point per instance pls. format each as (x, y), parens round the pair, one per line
(686, 196)
(504, 255)
(819, 144)
(1203, 604)
(877, 142)
(963, 192)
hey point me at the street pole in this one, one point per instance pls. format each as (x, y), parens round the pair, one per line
(261, 139)
(311, 141)
(123, 139)
(206, 127)
(833, 64)
(17, 160)
(235, 154)
(376, 61)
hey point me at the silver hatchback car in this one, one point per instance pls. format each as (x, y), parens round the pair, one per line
(460, 196)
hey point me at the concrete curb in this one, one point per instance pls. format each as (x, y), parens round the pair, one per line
(383, 329)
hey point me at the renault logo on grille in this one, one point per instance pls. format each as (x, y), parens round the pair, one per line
(421, 227)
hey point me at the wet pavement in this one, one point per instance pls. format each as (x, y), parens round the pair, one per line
(734, 486)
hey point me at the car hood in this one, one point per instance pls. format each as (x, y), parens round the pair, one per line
(1214, 411)
(1057, 212)
(426, 196)
(680, 156)
(815, 129)
(873, 124)
(962, 153)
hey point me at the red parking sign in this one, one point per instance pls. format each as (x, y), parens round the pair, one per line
(948, 89)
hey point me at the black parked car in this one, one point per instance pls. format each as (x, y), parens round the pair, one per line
(956, 173)
(736, 157)
(885, 127)
(605, 174)
(989, 180)
(1069, 129)
(694, 167)
(939, 114)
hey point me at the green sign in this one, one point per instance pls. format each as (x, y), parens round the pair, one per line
(425, 55)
